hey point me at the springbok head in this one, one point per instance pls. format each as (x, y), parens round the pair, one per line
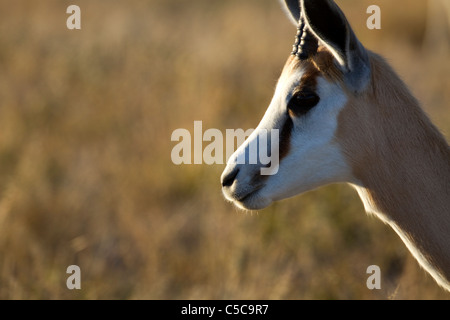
(327, 67)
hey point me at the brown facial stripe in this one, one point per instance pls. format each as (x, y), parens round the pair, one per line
(285, 138)
(307, 82)
(283, 150)
(284, 144)
(320, 64)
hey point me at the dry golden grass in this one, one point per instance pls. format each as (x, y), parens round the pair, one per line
(86, 176)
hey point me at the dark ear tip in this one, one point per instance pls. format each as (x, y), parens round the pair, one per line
(329, 24)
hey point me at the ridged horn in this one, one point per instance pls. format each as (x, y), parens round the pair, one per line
(306, 43)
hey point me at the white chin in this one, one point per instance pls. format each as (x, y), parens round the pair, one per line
(253, 203)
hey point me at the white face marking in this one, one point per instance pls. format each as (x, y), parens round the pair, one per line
(314, 158)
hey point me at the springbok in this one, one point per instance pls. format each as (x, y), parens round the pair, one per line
(344, 115)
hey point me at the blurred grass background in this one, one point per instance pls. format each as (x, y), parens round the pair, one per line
(86, 176)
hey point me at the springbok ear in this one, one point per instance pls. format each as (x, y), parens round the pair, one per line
(330, 26)
(292, 8)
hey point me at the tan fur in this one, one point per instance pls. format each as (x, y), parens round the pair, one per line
(403, 165)
(322, 63)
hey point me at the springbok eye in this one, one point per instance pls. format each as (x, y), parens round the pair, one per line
(301, 102)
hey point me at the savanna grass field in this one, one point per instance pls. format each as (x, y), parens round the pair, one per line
(87, 179)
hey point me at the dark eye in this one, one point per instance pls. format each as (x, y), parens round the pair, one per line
(302, 102)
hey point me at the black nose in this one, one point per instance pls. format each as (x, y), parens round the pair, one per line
(228, 179)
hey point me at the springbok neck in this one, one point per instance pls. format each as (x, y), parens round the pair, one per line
(345, 116)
